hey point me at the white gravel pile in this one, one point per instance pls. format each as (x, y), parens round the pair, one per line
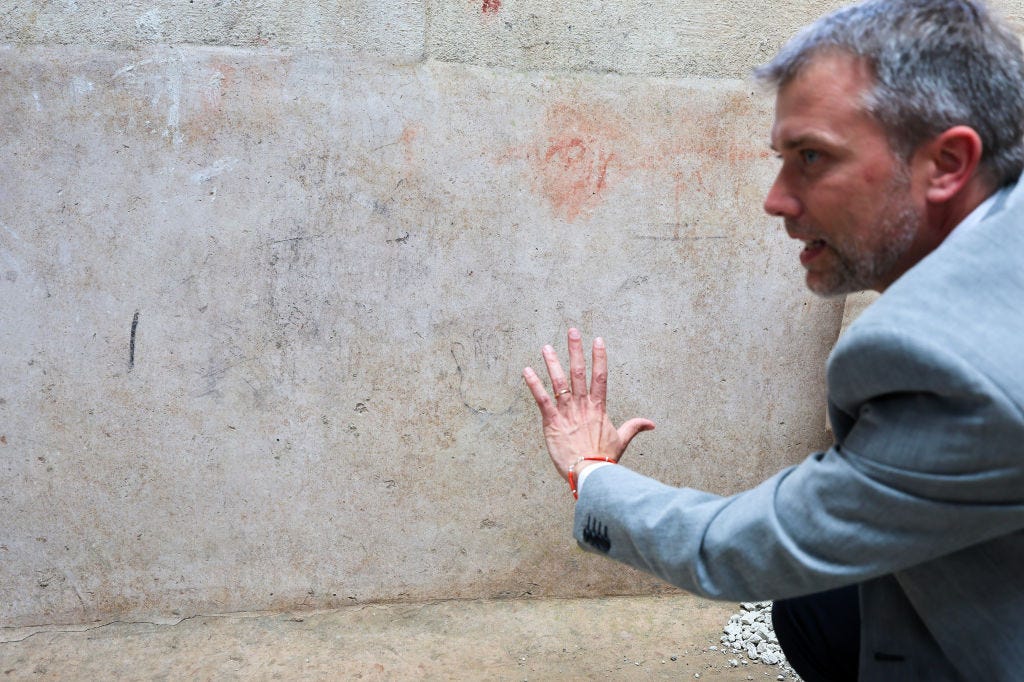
(750, 633)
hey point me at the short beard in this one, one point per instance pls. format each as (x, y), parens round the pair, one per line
(858, 266)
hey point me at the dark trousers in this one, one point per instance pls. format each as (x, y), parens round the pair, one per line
(820, 634)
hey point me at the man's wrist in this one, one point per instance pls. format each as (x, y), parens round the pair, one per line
(586, 471)
(584, 465)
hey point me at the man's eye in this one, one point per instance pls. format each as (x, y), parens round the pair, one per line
(809, 155)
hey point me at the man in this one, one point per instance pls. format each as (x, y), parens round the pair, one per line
(899, 128)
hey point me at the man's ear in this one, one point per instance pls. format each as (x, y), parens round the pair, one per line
(953, 157)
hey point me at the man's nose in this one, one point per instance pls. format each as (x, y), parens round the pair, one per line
(780, 201)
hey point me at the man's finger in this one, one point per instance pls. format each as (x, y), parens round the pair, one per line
(632, 427)
(540, 394)
(599, 372)
(577, 365)
(559, 382)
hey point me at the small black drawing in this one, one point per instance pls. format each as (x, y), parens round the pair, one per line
(131, 342)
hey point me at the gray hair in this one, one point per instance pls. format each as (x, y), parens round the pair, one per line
(937, 64)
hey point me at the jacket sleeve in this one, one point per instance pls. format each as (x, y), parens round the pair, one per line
(929, 461)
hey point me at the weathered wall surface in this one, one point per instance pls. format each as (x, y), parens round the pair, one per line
(269, 273)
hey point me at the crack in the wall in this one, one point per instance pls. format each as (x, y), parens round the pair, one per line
(427, 13)
(68, 630)
(289, 615)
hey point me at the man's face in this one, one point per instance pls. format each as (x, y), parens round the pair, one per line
(841, 189)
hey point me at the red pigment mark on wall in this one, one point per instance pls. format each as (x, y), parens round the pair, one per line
(409, 134)
(572, 168)
(491, 6)
(582, 150)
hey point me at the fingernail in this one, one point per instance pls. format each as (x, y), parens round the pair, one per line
(548, 349)
(599, 342)
(574, 334)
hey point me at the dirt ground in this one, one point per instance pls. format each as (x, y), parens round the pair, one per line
(613, 638)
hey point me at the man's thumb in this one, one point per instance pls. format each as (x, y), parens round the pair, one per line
(632, 427)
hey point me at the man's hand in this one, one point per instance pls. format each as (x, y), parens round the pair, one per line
(575, 422)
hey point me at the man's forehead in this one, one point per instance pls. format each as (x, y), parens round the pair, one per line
(821, 102)
(828, 77)
(832, 60)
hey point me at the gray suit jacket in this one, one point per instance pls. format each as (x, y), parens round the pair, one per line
(921, 498)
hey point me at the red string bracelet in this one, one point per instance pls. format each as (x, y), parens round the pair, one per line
(572, 470)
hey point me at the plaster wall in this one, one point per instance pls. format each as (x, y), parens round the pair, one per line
(269, 273)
